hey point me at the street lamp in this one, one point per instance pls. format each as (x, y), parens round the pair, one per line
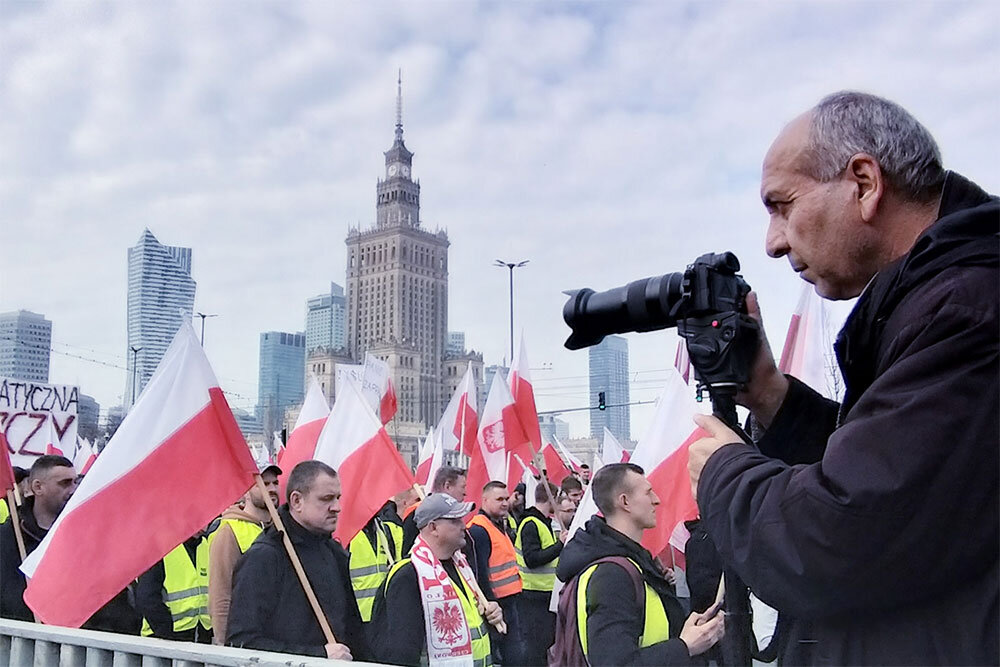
(135, 367)
(511, 266)
(203, 316)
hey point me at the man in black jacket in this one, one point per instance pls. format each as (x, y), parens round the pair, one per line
(269, 609)
(616, 624)
(844, 518)
(52, 481)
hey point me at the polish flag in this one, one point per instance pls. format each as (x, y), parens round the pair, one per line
(459, 423)
(500, 432)
(431, 455)
(83, 456)
(177, 460)
(663, 454)
(7, 479)
(301, 443)
(555, 467)
(612, 450)
(378, 383)
(524, 403)
(530, 483)
(517, 468)
(354, 443)
(806, 347)
(574, 462)
(682, 361)
(277, 447)
(52, 438)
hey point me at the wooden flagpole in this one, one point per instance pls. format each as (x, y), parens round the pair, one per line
(296, 563)
(16, 519)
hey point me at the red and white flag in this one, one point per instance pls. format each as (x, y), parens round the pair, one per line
(682, 362)
(574, 461)
(524, 403)
(377, 384)
(500, 432)
(52, 437)
(7, 479)
(84, 456)
(277, 447)
(517, 469)
(806, 346)
(555, 467)
(612, 450)
(301, 443)
(663, 454)
(177, 460)
(459, 424)
(431, 456)
(354, 443)
(585, 511)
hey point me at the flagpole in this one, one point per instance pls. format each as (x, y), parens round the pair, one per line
(548, 491)
(17, 523)
(324, 624)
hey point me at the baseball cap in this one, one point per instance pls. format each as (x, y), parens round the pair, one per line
(441, 506)
(264, 466)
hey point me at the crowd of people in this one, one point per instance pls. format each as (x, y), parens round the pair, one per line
(841, 517)
(437, 575)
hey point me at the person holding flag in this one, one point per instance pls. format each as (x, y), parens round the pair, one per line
(52, 480)
(428, 604)
(270, 610)
(241, 524)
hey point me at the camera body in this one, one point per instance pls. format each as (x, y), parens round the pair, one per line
(707, 304)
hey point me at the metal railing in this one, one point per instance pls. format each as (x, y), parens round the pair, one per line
(35, 645)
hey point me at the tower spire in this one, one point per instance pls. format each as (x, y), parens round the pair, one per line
(399, 106)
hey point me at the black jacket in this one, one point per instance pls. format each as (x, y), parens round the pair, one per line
(881, 544)
(531, 549)
(269, 609)
(149, 601)
(614, 616)
(118, 615)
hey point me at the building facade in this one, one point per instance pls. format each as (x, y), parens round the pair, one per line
(397, 291)
(25, 344)
(609, 374)
(280, 381)
(321, 363)
(550, 426)
(160, 295)
(88, 411)
(326, 320)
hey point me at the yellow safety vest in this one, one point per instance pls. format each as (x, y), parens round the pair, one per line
(512, 524)
(655, 626)
(245, 532)
(368, 569)
(540, 578)
(4, 512)
(185, 589)
(478, 632)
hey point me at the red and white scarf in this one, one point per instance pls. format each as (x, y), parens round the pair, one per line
(449, 641)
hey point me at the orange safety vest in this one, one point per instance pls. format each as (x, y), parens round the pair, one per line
(410, 510)
(505, 579)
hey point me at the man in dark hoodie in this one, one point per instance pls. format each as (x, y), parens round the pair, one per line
(616, 628)
(269, 609)
(844, 517)
(52, 481)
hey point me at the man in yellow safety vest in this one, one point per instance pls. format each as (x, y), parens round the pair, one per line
(172, 596)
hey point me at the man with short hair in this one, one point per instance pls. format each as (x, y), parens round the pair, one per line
(566, 511)
(269, 608)
(573, 488)
(834, 517)
(585, 474)
(616, 628)
(496, 568)
(241, 524)
(52, 481)
(447, 479)
(517, 503)
(538, 549)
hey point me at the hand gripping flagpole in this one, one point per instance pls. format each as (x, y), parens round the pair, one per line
(296, 563)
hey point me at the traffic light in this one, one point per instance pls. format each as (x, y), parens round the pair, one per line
(601, 402)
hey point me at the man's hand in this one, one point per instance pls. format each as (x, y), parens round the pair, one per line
(717, 436)
(701, 633)
(767, 387)
(670, 575)
(338, 652)
(492, 613)
(564, 535)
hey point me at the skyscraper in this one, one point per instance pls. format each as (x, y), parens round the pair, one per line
(280, 383)
(397, 289)
(609, 374)
(325, 320)
(25, 341)
(160, 295)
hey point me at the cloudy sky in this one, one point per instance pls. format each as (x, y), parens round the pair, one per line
(604, 141)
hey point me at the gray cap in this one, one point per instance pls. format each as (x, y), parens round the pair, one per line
(441, 506)
(264, 466)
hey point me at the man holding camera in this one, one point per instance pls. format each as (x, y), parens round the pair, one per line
(845, 517)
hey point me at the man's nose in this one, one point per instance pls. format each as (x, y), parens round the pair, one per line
(775, 242)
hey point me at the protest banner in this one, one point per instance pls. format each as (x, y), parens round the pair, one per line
(29, 409)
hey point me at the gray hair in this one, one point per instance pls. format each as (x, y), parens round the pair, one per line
(847, 123)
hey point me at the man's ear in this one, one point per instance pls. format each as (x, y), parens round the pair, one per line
(294, 499)
(866, 174)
